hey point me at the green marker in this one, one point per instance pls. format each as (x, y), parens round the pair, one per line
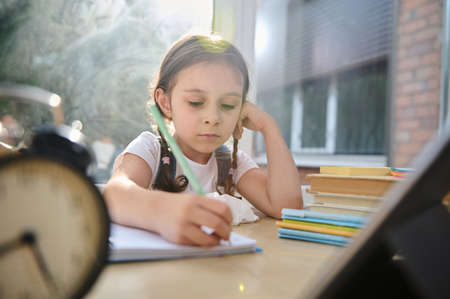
(176, 151)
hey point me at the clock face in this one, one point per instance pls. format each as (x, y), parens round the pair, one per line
(53, 230)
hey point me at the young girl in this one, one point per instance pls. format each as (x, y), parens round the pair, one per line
(201, 89)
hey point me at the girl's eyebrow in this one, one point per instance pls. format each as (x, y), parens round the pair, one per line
(228, 94)
(232, 94)
(196, 90)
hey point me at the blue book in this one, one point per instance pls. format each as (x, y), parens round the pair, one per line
(312, 237)
(321, 215)
(303, 233)
(326, 221)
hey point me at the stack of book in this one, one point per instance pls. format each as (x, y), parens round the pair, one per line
(354, 191)
(328, 228)
(401, 172)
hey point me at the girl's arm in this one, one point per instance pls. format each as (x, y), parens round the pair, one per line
(176, 216)
(278, 186)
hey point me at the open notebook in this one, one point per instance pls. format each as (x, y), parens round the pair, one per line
(131, 244)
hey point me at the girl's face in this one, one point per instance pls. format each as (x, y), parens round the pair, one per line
(204, 105)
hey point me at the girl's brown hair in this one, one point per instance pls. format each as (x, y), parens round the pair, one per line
(186, 52)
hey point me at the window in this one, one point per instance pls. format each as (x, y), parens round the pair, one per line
(98, 56)
(322, 72)
(342, 114)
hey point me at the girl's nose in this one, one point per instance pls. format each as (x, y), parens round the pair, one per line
(212, 117)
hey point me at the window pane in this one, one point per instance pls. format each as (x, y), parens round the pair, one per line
(361, 110)
(314, 99)
(277, 102)
(99, 56)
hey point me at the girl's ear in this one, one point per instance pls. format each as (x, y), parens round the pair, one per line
(239, 129)
(163, 101)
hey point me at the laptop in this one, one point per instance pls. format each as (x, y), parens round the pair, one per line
(404, 251)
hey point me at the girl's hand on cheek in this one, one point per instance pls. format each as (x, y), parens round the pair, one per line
(252, 118)
(182, 217)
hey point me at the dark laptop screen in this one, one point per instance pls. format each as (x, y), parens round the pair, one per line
(405, 249)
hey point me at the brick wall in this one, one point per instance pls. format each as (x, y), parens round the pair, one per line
(415, 110)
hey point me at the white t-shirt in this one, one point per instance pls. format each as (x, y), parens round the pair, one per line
(103, 153)
(147, 147)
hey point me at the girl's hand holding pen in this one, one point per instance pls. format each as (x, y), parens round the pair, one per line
(187, 213)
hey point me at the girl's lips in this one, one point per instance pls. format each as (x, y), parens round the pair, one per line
(209, 136)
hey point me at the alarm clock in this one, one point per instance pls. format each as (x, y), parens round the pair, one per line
(54, 224)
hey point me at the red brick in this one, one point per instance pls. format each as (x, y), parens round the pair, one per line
(411, 4)
(405, 76)
(433, 58)
(402, 53)
(412, 87)
(422, 135)
(409, 124)
(429, 123)
(437, 45)
(430, 33)
(406, 16)
(427, 110)
(435, 19)
(405, 113)
(425, 97)
(429, 9)
(408, 63)
(433, 84)
(427, 72)
(419, 48)
(403, 101)
(405, 40)
(413, 26)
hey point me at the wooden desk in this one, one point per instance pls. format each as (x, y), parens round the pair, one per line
(282, 270)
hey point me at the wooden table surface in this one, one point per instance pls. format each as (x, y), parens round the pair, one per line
(283, 269)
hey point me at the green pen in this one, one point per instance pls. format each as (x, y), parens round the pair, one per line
(176, 151)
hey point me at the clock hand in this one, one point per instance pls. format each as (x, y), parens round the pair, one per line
(30, 239)
(11, 245)
(19, 241)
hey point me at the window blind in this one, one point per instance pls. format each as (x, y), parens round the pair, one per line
(328, 35)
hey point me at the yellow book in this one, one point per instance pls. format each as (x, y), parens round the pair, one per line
(345, 199)
(347, 228)
(317, 229)
(350, 184)
(355, 170)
